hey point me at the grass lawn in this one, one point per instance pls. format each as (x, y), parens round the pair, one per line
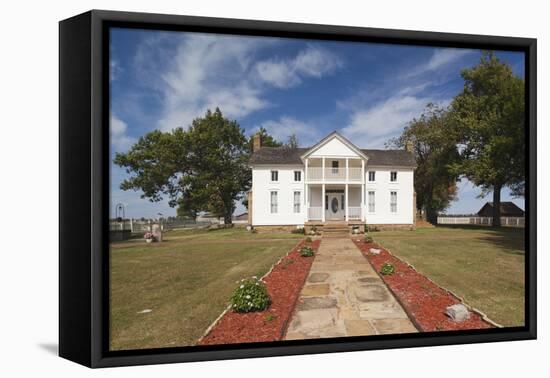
(485, 266)
(186, 281)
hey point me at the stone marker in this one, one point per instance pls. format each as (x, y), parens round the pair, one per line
(157, 232)
(457, 312)
(375, 251)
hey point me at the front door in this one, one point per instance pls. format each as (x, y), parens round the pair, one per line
(334, 206)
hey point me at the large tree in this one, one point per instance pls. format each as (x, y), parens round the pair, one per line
(490, 122)
(431, 139)
(201, 169)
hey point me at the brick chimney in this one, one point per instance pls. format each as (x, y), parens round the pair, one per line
(409, 146)
(256, 142)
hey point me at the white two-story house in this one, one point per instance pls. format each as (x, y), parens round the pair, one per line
(332, 181)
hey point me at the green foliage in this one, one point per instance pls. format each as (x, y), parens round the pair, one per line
(266, 139)
(434, 145)
(308, 239)
(306, 252)
(387, 269)
(250, 295)
(368, 239)
(201, 169)
(299, 230)
(489, 118)
(366, 229)
(270, 317)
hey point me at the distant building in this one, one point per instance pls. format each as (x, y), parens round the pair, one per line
(507, 209)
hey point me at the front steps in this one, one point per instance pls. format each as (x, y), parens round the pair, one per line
(336, 230)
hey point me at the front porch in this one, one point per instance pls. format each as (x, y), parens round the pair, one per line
(335, 203)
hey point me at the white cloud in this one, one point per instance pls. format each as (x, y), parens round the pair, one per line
(395, 104)
(209, 71)
(114, 70)
(198, 79)
(444, 57)
(440, 59)
(120, 141)
(285, 126)
(374, 126)
(311, 62)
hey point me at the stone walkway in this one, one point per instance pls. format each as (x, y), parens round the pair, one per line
(344, 296)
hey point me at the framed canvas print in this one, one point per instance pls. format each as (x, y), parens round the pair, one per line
(234, 188)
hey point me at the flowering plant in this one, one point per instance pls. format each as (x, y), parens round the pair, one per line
(250, 295)
(306, 252)
(148, 235)
(387, 269)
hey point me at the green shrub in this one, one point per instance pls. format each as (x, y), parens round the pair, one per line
(250, 295)
(308, 240)
(270, 317)
(366, 229)
(368, 239)
(387, 269)
(300, 231)
(306, 252)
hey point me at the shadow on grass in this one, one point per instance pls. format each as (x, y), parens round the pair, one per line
(509, 239)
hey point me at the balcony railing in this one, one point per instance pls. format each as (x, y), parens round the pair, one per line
(315, 213)
(354, 212)
(334, 174)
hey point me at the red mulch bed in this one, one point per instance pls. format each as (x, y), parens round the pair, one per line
(423, 300)
(284, 283)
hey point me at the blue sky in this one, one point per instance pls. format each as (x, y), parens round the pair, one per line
(368, 92)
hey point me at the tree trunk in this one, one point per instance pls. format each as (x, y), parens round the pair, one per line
(496, 205)
(431, 215)
(227, 219)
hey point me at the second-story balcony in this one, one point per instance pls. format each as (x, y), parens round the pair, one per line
(317, 174)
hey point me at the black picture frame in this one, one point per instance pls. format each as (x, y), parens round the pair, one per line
(84, 189)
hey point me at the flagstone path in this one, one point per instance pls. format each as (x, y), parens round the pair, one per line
(344, 296)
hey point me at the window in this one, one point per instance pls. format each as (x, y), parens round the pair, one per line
(297, 201)
(393, 176)
(393, 202)
(371, 202)
(343, 202)
(274, 176)
(274, 203)
(326, 202)
(335, 166)
(372, 176)
(297, 176)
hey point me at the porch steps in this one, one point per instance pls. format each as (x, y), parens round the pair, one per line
(335, 230)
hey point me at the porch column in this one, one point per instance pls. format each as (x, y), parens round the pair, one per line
(323, 199)
(347, 170)
(323, 168)
(347, 203)
(306, 191)
(363, 202)
(363, 212)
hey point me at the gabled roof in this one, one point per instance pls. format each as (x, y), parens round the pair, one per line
(293, 156)
(278, 155)
(506, 209)
(394, 158)
(337, 135)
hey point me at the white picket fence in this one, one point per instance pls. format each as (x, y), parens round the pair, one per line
(482, 221)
